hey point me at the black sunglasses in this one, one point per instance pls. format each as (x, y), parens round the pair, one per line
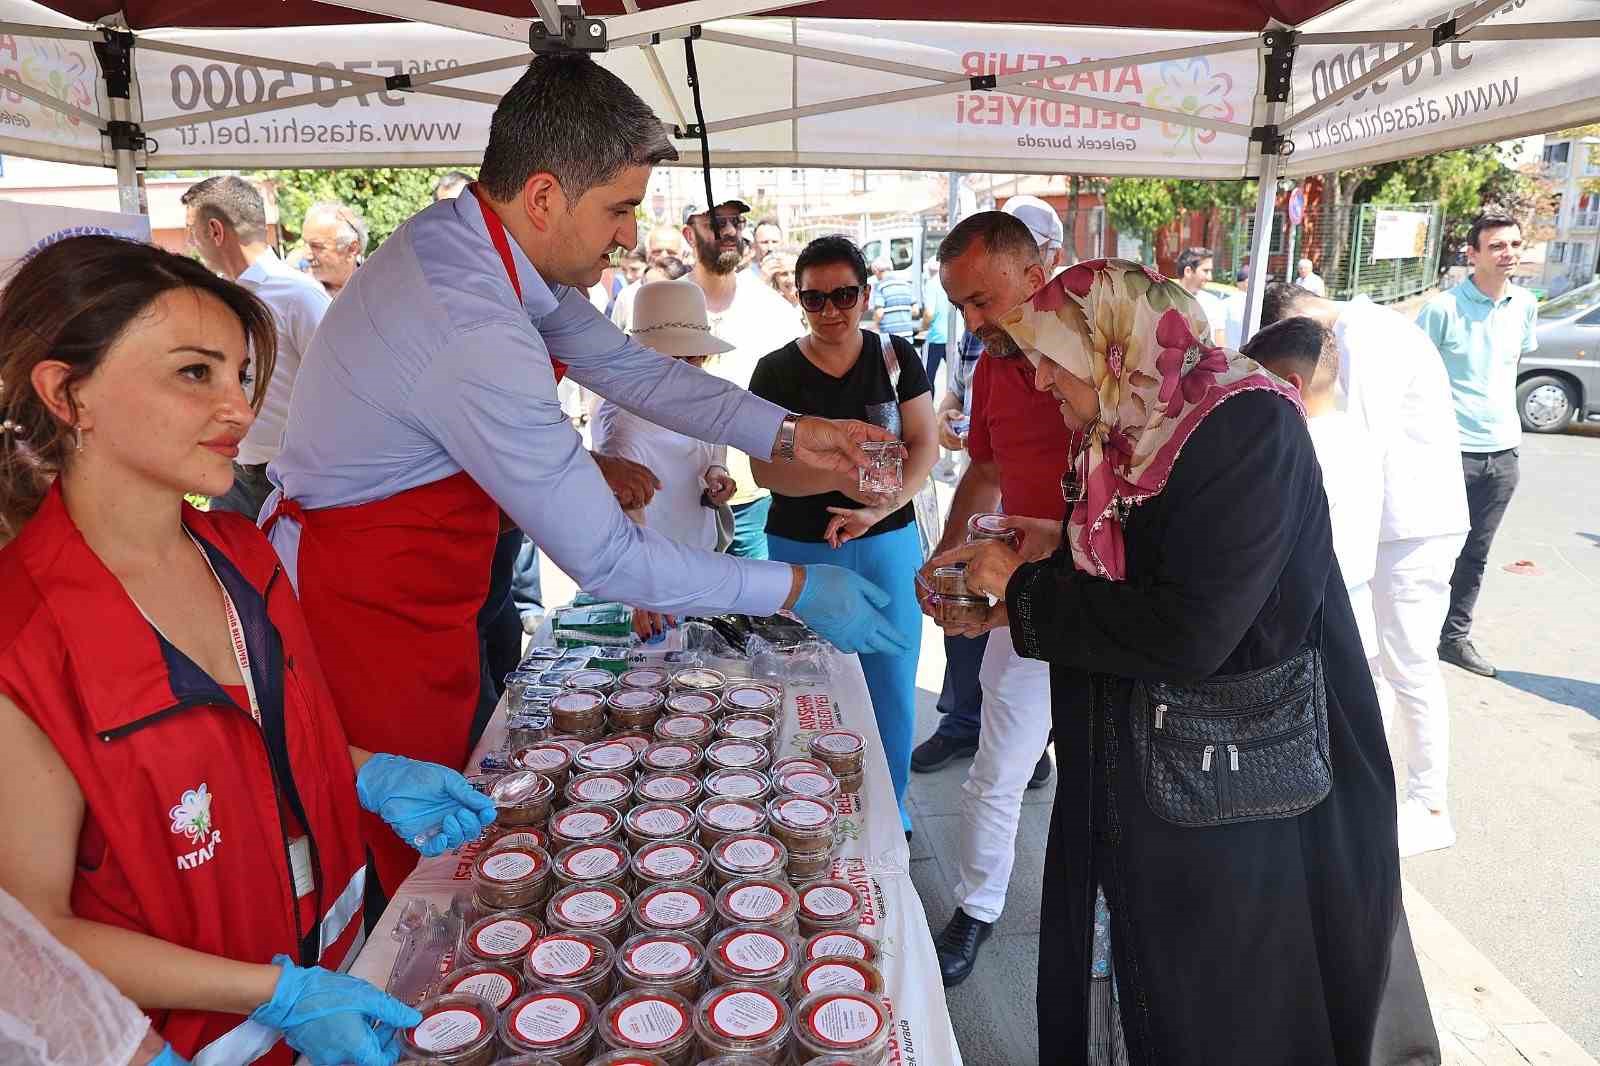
(844, 298)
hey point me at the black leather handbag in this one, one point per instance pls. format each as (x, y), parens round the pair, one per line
(1238, 748)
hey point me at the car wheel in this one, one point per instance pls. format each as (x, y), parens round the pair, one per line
(1545, 404)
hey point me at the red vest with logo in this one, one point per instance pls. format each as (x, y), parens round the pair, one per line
(187, 799)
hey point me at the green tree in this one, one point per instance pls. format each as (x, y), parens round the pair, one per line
(385, 196)
(1140, 206)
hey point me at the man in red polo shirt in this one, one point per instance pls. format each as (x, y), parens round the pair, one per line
(1018, 445)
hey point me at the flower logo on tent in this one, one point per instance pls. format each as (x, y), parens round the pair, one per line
(192, 815)
(1191, 87)
(65, 74)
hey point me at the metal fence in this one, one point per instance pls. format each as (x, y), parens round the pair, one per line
(1386, 252)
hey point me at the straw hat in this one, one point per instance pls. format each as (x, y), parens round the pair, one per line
(670, 316)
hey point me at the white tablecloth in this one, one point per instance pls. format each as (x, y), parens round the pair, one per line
(873, 856)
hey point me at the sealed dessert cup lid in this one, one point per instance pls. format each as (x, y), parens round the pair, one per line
(751, 951)
(800, 812)
(691, 702)
(588, 905)
(803, 782)
(668, 786)
(661, 956)
(699, 678)
(748, 851)
(586, 862)
(645, 1018)
(585, 820)
(636, 699)
(686, 726)
(551, 1018)
(828, 900)
(592, 678)
(990, 522)
(757, 901)
(578, 701)
(731, 813)
(453, 1024)
(570, 745)
(841, 1020)
(625, 1057)
(506, 866)
(607, 755)
(502, 936)
(674, 906)
(837, 974)
(600, 786)
(498, 985)
(840, 944)
(565, 955)
(671, 754)
(521, 788)
(522, 838)
(753, 727)
(839, 742)
(749, 697)
(744, 1014)
(736, 752)
(671, 860)
(546, 758)
(659, 819)
(644, 677)
(740, 784)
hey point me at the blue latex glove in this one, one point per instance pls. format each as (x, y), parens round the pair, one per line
(328, 1017)
(842, 606)
(169, 1057)
(429, 806)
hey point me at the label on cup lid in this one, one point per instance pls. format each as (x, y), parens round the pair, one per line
(589, 678)
(506, 936)
(739, 753)
(755, 902)
(756, 951)
(509, 865)
(672, 755)
(583, 824)
(601, 789)
(834, 976)
(590, 907)
(739, 785)
(844, 1019)
(805, 813)
(751, 696)
(610, 755)
(543, 757)
(577, 701)
(551, 1018)
(806, 783)
(747, 728)
(673, 908)
(669, 862)
(635, 742)
(659, 820)
(667, 787)
(684, 725)
(699, 679)
(746, 1014)
(692, 703)
(732, 816)
(596, 861)
(827, 901)
(448, 1029)
(748, 853)
(635, 699)
(650, 1021)
(661, 958)
(839, 742)
(844, 945)
(497, 988)
(644, 678)
(560, 956)
(990, 523)
(525, 838)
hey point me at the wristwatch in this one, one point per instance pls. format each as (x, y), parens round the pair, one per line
(786, 431)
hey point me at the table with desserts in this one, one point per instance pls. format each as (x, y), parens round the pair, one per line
(740, 886)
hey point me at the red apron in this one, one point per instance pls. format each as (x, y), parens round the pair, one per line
(391, 591)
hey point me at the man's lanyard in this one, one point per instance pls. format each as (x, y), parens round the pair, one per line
(241, 651)
(502, 244)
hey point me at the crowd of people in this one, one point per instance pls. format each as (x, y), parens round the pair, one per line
(1211, 638)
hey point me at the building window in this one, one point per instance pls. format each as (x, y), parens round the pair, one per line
(1558, 251)
(1578, 256)
(1586, 214)
(1557, 153)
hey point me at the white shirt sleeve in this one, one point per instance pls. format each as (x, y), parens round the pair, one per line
(488, 398)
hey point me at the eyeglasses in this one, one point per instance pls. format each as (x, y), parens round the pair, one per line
(844, 298)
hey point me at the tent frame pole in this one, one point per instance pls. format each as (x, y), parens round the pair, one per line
(23, 29)
(45, 100)
(113, 54)
(1526, 31)
(1277, 80)
(642, 24)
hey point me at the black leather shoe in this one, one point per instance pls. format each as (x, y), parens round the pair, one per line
(938, 751)
(958, 946)
(1041, 771)
(1461, 653)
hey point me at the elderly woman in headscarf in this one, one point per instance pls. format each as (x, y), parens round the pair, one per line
(1225, 788)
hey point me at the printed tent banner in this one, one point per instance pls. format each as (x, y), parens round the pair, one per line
(26, 228)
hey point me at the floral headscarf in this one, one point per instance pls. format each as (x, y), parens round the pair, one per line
(1140, 340)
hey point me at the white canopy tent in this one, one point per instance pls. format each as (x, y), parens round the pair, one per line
(1357, 82)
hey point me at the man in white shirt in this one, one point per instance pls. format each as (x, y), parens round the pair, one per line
(750, 315)
(1194, 274)
(1308, 279)
(1304, 353)
(1394, 383)
(336, 236)
(227, 227)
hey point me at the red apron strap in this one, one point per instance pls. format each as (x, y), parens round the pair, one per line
(502, 244)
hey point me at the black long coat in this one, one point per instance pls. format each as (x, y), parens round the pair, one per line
(1254, 944)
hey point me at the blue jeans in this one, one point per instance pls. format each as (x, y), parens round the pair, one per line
(933, 355)
(961, 699)
(525, 591)
(750, 529)
(890, 561)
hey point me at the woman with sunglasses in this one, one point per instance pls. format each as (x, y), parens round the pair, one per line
(839, 370)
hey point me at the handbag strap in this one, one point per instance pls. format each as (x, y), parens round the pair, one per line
(891, 360)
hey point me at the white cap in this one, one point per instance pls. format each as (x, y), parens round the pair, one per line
(1038, 216)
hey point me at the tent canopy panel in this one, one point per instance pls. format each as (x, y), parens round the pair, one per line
(1224, 15)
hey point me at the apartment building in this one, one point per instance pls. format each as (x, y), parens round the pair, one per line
(1572, 255)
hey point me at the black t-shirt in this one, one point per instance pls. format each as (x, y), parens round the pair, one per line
(789, 379)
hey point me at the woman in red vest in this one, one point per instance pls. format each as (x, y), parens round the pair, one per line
(182, 799)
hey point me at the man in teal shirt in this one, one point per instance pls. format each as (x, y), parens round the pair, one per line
(935, 316)
(1481, 328)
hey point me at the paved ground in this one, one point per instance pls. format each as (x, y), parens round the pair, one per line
(1523, 885)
